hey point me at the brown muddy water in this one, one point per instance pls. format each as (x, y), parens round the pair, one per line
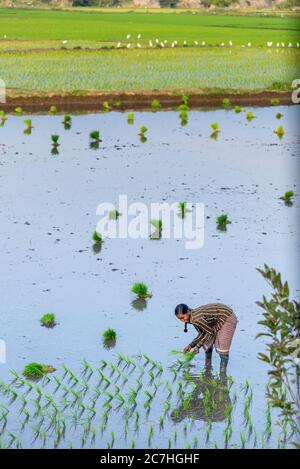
(47, 217)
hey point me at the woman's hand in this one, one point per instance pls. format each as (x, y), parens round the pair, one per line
(187, 348)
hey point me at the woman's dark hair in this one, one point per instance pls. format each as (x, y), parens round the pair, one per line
(181, 309)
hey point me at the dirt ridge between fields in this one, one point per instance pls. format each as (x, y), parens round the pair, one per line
(125, 101)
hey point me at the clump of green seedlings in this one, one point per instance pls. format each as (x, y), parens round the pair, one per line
(158, 225)
(279, 115)
(130, 118)
(19, 111)
(222, 221)
(238, 109)
(288, 197)
(275, 102)
(29, 126)
(109, 337)
(3, 118)
(279, 131)
(183, 107)
(55, 144)
(95, 139)
(143, 130)
(183, 357)
(250, 116)
(141, 290)
(53, 109)
(55, 140)
(182, 209)
(105, 106)
(36, 370)
(155, 105)
(48, 320)
(226, 103)
(114, 214)
(67, 122)
(185, 100)
(118, 104)
(98, 240)
(97, 237)
(215, 130)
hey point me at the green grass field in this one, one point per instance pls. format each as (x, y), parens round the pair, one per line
(32, 56)
(36, 25)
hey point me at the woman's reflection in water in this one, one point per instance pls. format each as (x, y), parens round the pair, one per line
(208, 401)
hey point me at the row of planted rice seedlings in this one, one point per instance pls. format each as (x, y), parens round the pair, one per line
(134, 401)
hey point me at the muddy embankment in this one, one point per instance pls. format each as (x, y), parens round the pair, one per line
(79, 102)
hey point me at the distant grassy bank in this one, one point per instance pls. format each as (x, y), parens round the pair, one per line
(37, 25)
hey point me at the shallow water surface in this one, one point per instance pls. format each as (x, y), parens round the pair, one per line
(47, 217)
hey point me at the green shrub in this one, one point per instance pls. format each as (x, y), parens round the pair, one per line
(281, 325)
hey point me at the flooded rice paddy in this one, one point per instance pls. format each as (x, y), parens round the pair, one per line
(136, 393)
